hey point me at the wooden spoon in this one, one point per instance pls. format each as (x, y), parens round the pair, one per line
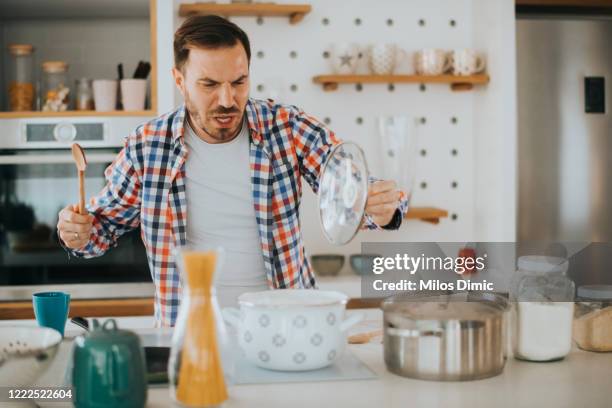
(78, 154)
(362, 338)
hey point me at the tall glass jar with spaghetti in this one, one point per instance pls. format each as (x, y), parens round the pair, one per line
(200, 343)
(21, 92)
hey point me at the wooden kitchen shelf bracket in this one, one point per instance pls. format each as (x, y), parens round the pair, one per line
(295, 12)
(427, 214)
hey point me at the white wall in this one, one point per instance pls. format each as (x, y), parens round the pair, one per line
(485, 134)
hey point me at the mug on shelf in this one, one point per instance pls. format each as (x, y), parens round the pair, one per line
(105, 94)
(431, 61)
(466, 62)
(384, 58)
(344, 58)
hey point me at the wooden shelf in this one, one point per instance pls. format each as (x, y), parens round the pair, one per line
(295, 12)
(39, 114)
(85, 308)
(427, 214)
(457, 83)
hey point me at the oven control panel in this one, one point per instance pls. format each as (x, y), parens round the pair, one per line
(50, 134)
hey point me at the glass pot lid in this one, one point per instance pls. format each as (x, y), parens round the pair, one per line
(343, 191)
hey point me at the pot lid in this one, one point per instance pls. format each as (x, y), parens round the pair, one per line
(291, 298)
(458, 306)
(599, 292)
(343, 191)
(21, 49)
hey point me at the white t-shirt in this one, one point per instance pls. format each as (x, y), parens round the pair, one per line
(220, 211)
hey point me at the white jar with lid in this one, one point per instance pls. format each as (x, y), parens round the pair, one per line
(593, 318)
(543, 309)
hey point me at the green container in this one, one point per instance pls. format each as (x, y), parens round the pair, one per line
(109, 369)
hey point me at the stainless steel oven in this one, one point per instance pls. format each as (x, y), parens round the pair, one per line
(37, 179)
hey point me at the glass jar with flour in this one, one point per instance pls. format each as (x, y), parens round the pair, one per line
(543, 309)
(593, 318)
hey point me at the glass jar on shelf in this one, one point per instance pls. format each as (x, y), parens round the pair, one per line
(21, 92)
(543, 310)
(593, 318)
(55, 90)
(84, 94)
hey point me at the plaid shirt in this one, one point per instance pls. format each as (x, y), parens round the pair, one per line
(146, 187)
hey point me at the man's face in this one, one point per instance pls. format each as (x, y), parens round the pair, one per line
(215, 86)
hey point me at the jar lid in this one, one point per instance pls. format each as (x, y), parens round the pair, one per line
(21, 49)
(53, 67)
(603, 292)
(542, 264)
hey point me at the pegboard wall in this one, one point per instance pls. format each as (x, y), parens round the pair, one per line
(450, 125)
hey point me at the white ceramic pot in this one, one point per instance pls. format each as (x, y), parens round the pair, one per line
(291, 329)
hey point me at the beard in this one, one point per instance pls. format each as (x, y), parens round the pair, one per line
(201, 124)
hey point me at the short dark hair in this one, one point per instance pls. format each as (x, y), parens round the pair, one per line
(207, 32)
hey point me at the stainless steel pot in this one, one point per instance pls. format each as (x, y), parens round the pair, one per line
(445, 337)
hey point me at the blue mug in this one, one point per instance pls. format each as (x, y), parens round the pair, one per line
(51, 309)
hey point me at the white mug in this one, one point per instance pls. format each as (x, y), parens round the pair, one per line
(466, 62)
(133, 93)
(105, 94)
(344, 58)
(383, 58)
(431, 62)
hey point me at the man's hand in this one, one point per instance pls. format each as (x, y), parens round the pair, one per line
(383, 200)
(74, 228)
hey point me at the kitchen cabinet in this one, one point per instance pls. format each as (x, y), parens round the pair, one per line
(91, 37)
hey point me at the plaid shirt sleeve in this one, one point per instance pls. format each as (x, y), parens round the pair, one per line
(313, 142)
(116, 209)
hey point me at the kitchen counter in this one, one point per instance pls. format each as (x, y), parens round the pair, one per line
(583, 379)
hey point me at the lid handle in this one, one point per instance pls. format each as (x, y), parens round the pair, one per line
(110, 322)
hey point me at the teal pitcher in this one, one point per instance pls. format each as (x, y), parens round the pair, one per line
(109, 369)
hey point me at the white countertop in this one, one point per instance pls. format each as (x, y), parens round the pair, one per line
(582, 379)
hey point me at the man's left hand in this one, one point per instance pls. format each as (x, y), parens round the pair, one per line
(383, 200)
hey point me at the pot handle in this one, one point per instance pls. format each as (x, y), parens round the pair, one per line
(232, 316)
(351, 321)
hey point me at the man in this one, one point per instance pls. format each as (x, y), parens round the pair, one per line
(221, 170)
